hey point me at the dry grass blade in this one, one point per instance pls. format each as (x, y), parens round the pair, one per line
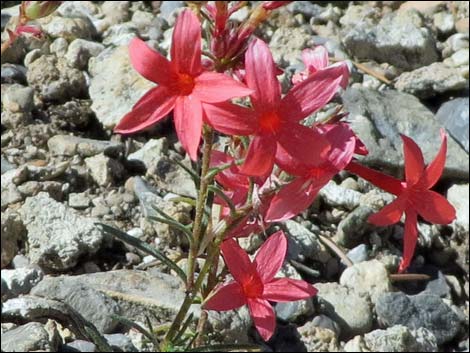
(335, 248)
(367, 70)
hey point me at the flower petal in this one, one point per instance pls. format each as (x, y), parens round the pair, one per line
(186, 44)
(213, 87)
(287, 290)
(414, 161)
(316, 58)
(261, 77)
(260, 157)
(434, 208)
(188, 123)
(150, 109)
(390, 214)
(238, 262)
(410, 237)
(434, 170)
(293, 199)
(312, 94)
(303, 143)
(381, 180)
(263, 317)
(343, 143)
(230, 119)
(270, 256)
(228, 297)
(150, 63)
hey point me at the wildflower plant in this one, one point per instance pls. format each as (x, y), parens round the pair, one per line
(270, 167)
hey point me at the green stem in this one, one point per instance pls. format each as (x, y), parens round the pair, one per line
(208, 136)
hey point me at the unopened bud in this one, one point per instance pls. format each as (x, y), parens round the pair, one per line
(33, 10)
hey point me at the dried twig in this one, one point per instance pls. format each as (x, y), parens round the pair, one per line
(409, 277)
(368, 71)
(335, 248)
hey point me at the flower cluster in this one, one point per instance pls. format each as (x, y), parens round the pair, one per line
(273, 164)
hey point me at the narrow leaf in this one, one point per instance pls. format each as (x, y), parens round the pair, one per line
(183, 329)
(196, 178)
(142, 246)
(177, 225)
(130, 324)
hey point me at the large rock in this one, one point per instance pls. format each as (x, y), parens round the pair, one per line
(87, 301)
(399, 38)
(303, 244)
(350, 310)
(115, 86)
(421, 311)
(20, 281)
(31, 337)
(380, 117)
(66, 145)
(57, 235)
(431, 80)
(370, 277)
(454, 116)
(68, 28)
(13, 231)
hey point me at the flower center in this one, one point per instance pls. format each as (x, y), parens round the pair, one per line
(253, 288)
(184, 84)
(270, 122)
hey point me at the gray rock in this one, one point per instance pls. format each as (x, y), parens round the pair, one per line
(172, 178)
(305, 8)
(444, 22)
(358, 254)
(20, 261)
(230, 327)
(454, 116)
(318, 339)
(379, 118)
(54, 80)
(431, 80)
(304, 244)
(79, 201)
(293, 311)
(6, 166)
(150, 153)
(458, 197)
(9, 179)
(112, 68)
(66, 145)
(20, 281)
(421, 311)
(168, 9)
(337, 301)
(69, 28)
(59, 47)
(401, 339)
(120, 34)
(399, 38)
(287, 42)
(168, 236)
(135, 292)
(121, 342)
(13, 73)
(80, 51)
(89, 302)
(18, 99)
(13, 231)
(76, 113)
(27, 338)
(58, 236)
(438, 286)
(338, 196)
(354, 227)
(324, 321)
(454, 43)
(369, 277)
(79, 346)
(104, 170)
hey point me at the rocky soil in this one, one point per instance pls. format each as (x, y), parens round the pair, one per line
(63, 170)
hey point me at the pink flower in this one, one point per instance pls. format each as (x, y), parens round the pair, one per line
(298, 195)
(254, 283)
(182, 85)
(316, 60)
(414, 196)
(274, 121)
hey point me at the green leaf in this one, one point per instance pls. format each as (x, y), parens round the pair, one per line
(181, 227)
(227, 348)
(142, 246)
(183, 329)
(224, 197)
(130, 324)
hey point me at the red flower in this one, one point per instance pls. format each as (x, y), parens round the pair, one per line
(414, 196)
(315, 60)
(182, 85)
(295, 197)
(274, 121)
(254, 283)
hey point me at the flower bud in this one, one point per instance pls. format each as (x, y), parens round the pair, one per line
(33, 10)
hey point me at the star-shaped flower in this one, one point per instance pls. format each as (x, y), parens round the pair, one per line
(414, 196)
(182, 85)
(254, 283)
